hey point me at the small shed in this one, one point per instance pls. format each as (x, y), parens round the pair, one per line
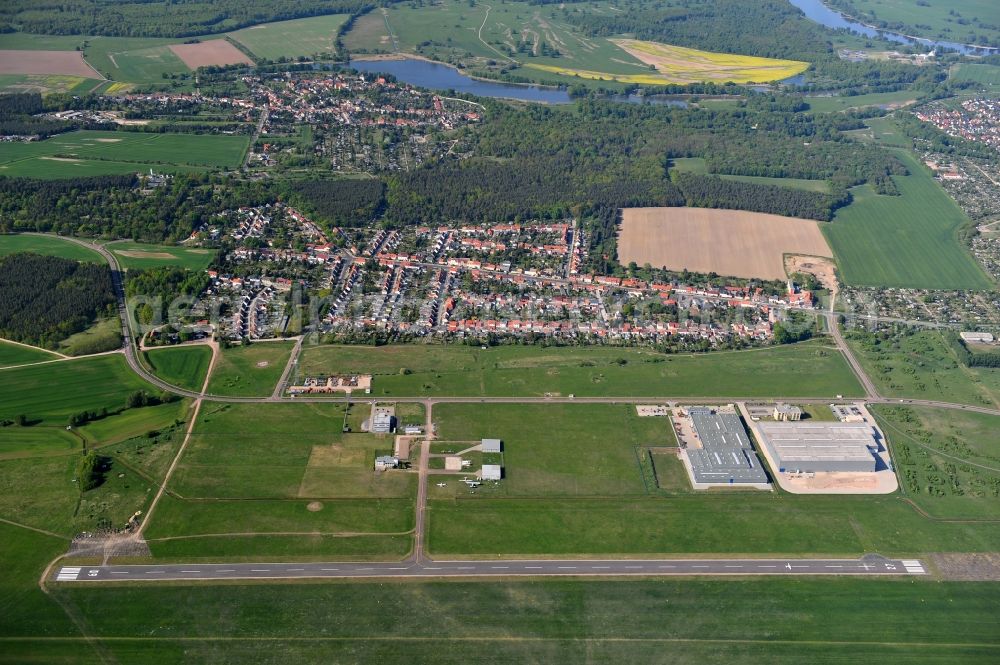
(492, 472)
(383, 462)
(491, 445)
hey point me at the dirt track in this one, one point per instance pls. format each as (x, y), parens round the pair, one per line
(215, 52)
(727, 242)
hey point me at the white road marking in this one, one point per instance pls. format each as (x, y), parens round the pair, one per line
(734, 566)
(767, 566)
(329, 569)
(500, 567)
(567, 567)
(533, 567)
(600, 567)
(260, 570)
(190, 571)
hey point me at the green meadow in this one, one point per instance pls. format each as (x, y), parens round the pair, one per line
(184, 366)
(87, 152)
(142, 256)
(948, 462)
(251, 371)
(811, 369)
(905, 241)
(283, 479)
(577, 482)
(920, 365)
(52, 392)
(845, 103)
(302, 37)
(15, 354)
(986, 75)
(698, 165)
(49, 245)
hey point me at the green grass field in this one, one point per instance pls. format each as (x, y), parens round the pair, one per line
(53, 392)
(967, 21)
(698, 165)
(16, 354)
(142, 256)
(920, 365)
(948, 462)
(552, 621)
(800, 370)
(556, 449)
(987, 75)
(184, 366)
(104, 335)
(250, 370)
(49, 245)
(303, 37)
(88, 152)
(884, 99)
(906, 241)
(286, 481)
(576, 482)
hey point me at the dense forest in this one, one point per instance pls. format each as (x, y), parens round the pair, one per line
(142, 18)
(45, 299)
(707, 191)
(115, 206)
(152, 291)
(342, 202)
(16, 111)
(550, 162)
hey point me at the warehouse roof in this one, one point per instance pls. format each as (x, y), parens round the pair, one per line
(726, 454)
(819, 442)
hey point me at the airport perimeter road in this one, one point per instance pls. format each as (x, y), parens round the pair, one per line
(871, 565)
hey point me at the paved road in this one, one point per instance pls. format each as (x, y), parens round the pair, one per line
(870, 391)
(871, 565)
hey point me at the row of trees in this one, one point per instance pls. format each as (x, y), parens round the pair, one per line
(141, 18)
(705, 191)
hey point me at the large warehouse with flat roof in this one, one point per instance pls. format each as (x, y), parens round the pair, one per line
(726, 455)
(819, 447)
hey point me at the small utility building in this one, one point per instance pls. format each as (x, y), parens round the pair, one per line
(490, 445)
(491, 472)
(820, 447)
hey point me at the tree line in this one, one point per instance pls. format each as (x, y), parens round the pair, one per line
(141, 18)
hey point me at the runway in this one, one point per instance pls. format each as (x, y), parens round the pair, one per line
(871, 565)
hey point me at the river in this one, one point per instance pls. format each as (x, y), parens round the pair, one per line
(817, 12)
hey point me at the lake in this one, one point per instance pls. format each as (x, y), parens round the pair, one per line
(816, 11)
(442, 77)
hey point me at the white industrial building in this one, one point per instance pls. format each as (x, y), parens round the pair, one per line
(814, 447)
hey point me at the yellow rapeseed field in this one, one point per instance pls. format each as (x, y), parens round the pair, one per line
(676, 64)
